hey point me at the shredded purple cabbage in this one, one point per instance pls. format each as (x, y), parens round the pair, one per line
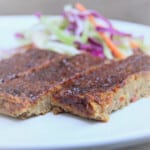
(75, 22)
(98, 16)
(19, 35)
(112, 31)
(85, 14)
(76, 19)
(38, 15)
(93, 47)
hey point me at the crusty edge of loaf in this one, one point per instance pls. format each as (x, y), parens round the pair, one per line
(131, 89)
(14, 107)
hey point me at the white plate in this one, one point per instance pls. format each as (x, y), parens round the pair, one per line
(127, 126)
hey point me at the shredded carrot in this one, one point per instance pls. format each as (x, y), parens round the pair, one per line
(114, 49)
(134, 45)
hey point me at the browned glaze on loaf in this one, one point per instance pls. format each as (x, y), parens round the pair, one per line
(65, 68)
(36, 83)
(76, 92)
(21, 62)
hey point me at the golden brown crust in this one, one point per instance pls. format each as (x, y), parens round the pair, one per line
(133, 88)
(23, 63)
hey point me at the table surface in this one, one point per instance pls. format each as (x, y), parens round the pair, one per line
(128, 10)
(145, 146)
(139, 147)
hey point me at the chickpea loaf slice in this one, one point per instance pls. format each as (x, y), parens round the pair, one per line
(29, 95)
(97, 92)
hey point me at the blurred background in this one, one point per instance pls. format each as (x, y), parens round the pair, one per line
(128, 10)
